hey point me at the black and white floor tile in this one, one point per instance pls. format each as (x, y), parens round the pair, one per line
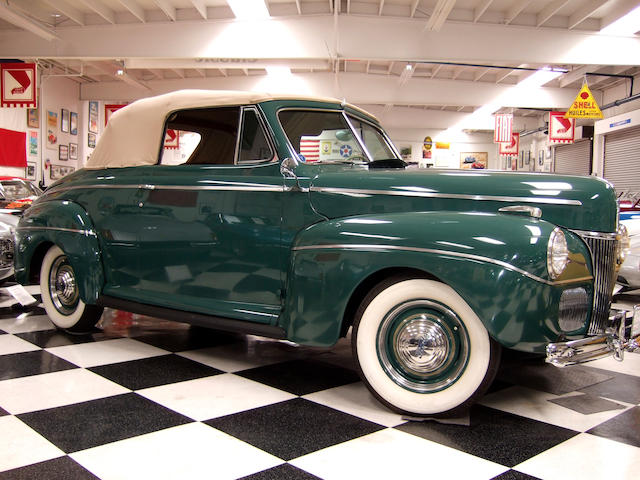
(149, 399)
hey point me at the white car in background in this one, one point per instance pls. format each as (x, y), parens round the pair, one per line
(629, 274)
(8, 224)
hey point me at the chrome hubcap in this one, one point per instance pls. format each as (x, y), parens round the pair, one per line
(62, 286)
(423, 346)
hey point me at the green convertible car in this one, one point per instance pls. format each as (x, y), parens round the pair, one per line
(295, 218)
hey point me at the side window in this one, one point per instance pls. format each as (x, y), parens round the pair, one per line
(204, 136)
(253, 142)
(320, 136)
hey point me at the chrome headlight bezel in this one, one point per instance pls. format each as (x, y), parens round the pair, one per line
(623, 244)
(557, 253)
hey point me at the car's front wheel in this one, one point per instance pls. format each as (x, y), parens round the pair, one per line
(61, 296)
(421, 349)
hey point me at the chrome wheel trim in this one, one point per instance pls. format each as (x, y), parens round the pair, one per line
(425, 351)
(63, 288)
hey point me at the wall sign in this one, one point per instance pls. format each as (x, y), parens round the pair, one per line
(561, 129)
(511, 148)
(503, 127)
(18, 84)
(584, 106)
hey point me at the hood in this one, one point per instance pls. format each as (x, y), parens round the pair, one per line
(579, 203)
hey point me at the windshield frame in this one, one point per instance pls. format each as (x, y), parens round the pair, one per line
(294, 154)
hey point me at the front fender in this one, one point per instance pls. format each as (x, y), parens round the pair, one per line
(67, 225)
(496, 262)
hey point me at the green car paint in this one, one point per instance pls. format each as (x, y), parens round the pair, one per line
(247, 243)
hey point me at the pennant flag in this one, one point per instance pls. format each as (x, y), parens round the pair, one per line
(503, 128)
(561, 129)
(584, 106)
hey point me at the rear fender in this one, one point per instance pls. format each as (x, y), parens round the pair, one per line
(67, 225)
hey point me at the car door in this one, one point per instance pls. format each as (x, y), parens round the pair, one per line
(210, 238)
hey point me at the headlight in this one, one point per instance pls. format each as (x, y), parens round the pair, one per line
(623, 245)
(557, 253)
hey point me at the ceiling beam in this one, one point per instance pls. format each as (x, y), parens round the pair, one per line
(440, 14)
(380, 7)
(480, 9)
(549, 11)
(101, 9)
(414, 7)
(574, 75)
(307, 37)
(168, 9)
(507, 73)
(620, 10)
(67, 10)
(584, 12)
(21, 21)
(481, 74)
(200, 7)
(516, 10)
(300, 8)
(134, 8)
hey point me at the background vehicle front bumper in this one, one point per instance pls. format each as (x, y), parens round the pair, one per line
(622, 335)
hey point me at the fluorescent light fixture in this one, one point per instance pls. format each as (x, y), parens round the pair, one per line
(541, 77)
(627, 25)
(278, 71)
(249, 9)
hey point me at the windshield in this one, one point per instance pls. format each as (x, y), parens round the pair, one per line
(327, 137)
(17, 189)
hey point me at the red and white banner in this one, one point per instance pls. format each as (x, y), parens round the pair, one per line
(172, 139)
(503, 128)
(512, 147)
(561, 130)
(18, 84)
(110, 109)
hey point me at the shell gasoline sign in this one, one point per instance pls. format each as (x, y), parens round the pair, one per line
(584, 106)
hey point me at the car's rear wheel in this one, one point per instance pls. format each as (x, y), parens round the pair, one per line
(61, 296)
(421, 349)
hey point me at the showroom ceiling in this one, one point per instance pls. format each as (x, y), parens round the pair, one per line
(444, 57)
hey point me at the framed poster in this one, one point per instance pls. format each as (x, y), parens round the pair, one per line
(52, 129)
(93, 117)
(110, 109)
(64, 120)
(30, 172)
(63, 152)
(474, 160)
(33, 142)
(91, 140)
(74, 123)
(73, 151)
(33, 118)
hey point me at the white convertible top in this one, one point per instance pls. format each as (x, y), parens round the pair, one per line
(134, 133)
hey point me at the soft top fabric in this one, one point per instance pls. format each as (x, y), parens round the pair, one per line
(134, 133)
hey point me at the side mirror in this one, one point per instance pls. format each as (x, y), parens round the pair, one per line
(287, 169)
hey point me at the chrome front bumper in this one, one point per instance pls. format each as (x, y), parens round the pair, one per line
(623, 335)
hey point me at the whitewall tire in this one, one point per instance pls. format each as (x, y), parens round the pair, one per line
(61, 296)
(421, 349)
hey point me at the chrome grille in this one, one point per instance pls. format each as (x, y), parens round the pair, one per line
(603, 259)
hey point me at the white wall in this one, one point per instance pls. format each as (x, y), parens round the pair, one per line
(56, 93)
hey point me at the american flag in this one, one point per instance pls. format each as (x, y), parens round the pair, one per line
(310, 150)
(504, 127)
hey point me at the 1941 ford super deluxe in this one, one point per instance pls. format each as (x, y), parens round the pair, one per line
(296, 219)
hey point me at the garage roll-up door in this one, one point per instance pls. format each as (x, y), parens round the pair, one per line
(622, 159)
(574, 159)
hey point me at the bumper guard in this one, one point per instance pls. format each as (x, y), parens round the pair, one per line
(622, 335)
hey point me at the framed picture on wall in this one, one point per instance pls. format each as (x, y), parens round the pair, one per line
(64, 120)
(91, 140)
(33, 118)
(73, 151)
(30, 172)
(63, 152)
(74, 123)
(93, 117)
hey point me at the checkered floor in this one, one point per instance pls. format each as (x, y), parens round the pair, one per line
(144, 398)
